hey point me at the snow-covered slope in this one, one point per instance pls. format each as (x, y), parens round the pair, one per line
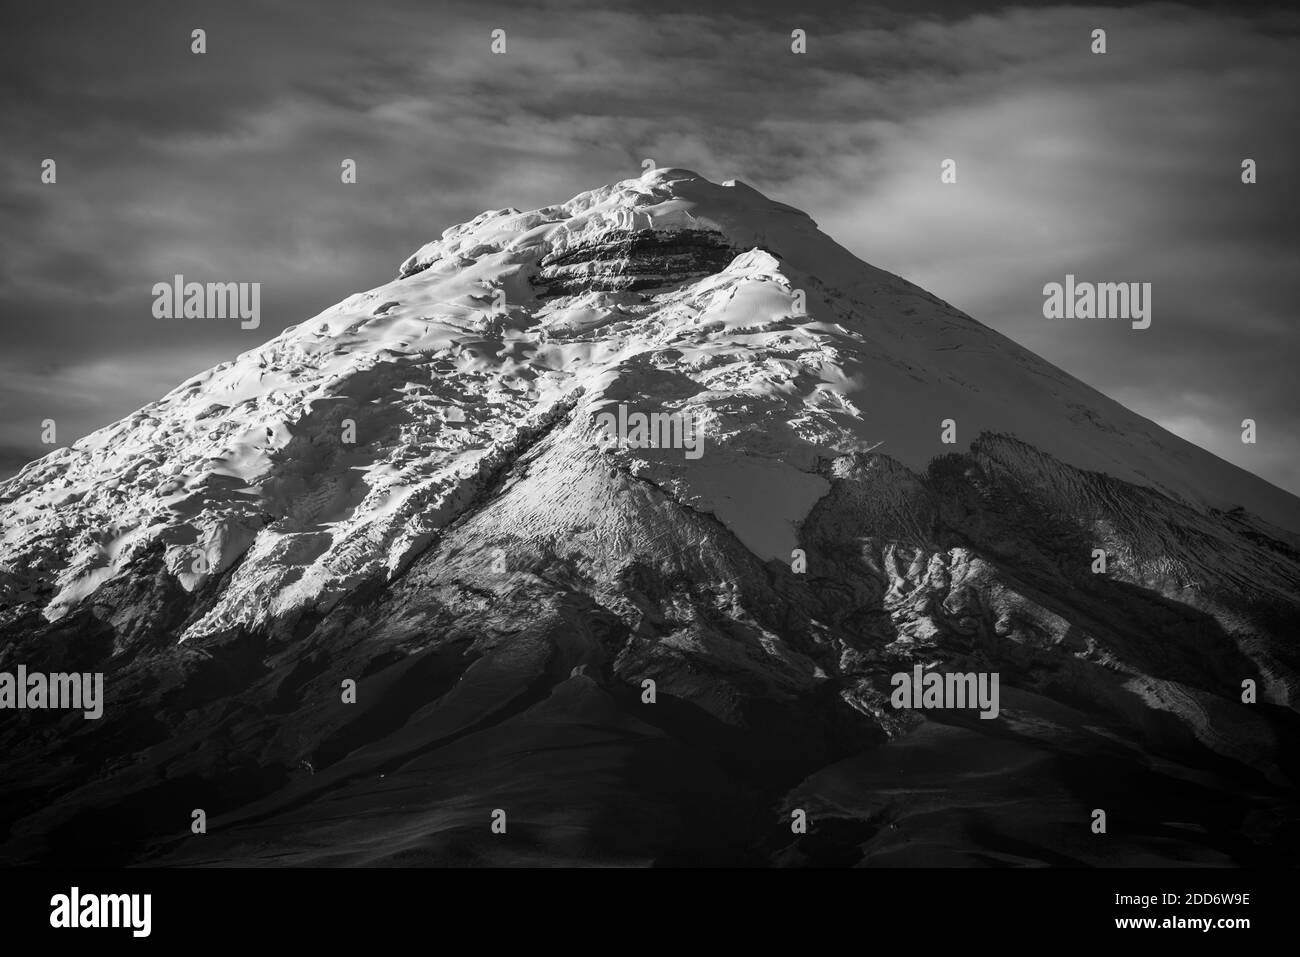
(667, 292)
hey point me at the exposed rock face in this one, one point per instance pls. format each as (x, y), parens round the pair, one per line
(411, 492)
(645, 259)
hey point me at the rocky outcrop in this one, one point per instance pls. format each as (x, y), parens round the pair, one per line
(630, 261)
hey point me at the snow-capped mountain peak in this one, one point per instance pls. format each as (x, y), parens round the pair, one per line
(664, 438)
(339, 450)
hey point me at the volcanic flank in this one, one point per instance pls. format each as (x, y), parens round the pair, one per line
(366, 585)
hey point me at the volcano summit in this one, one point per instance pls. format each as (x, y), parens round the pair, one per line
(384, 576)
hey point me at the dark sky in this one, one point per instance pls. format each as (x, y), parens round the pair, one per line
(225, 167)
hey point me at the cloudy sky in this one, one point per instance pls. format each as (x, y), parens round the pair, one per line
(225, 167)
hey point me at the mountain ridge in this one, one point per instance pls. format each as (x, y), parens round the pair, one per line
(499, 579)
